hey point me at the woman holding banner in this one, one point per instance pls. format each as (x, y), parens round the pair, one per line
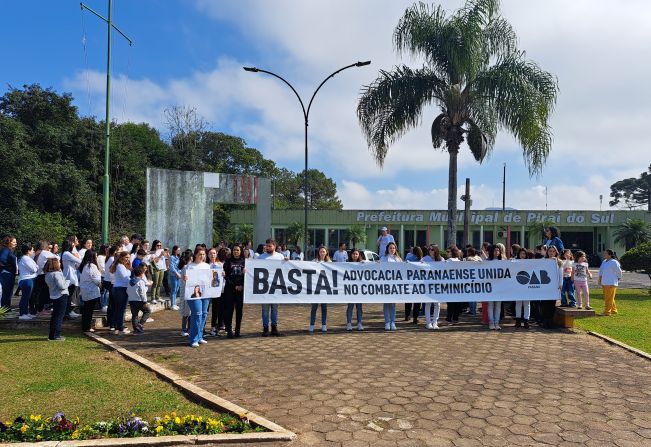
(355, 256)
(497, 253)
(196, 302)
(390, 255)
(432, 310)
(548, 307)
(322, 256)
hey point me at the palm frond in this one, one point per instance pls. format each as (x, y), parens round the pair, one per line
(393, 104)
(438, 135)
(477, 142)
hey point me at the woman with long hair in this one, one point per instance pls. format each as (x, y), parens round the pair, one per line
(184, 309)
(27, 270)
(102, 256)
(523, 307)
(497, 253)
(355, 256)
(234, 291)
(70, 261)
(57, 286)
(89, 284)
(548, 307)
(174, 276)
(610, 272)
(432, 310)
(390, 255)
(198, 304)
(8, 268)
(215, 260)
(121, 269)
(157, 266)
(322, 255)
(454, 307)
(416, 256)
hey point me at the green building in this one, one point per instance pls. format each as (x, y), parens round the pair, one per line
(591, 231)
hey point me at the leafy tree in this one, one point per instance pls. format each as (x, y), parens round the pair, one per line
(289, 191)
(632, 232)
(243, 233)
(632, 192)
(356, 234)
(478, 78)
(36, 225)
(295, 232)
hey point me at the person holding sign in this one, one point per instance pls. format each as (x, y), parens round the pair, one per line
(390, 255)
(548, 307)
(322, 256)
(196, 302)
(497, 253)
(271, 254)
(355, 256)
(217, 313)
(432, 310)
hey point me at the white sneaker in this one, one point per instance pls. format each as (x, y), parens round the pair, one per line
(25, 317)
(194, 345)
(387, 326)
(435, 326)
(428, 326)
(104, 308)
(311, 328)
(324, 328)
(498, 327)
(393, 326)
(184, 334)
(203, 342)
(154, 302)
(174, 307)
(360, 327)
(149, 320)
(73, 314)
(349, 327)
(491, 326)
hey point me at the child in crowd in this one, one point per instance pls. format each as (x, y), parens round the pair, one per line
(137, 292)
(567, 290)
(580, 275)
(58, 289)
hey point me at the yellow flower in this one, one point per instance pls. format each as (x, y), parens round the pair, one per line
(173, 414)
(23, 429)
(166, 418)
(77, 420)
(159, 429)
(75, 434)
(34, 418)
(199, 419)
(39, 437)
(177, 420)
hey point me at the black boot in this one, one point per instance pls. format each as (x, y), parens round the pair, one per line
(526, 324)
(274, 331)
(265, 331)
(518, 322)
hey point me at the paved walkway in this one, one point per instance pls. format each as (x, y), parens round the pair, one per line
(461, 386)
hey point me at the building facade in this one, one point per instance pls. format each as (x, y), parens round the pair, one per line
(591, 231)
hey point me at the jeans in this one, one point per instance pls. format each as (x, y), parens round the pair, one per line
(568, 288)
(139, 323)
(472, 308)
(519, 305)
(7, 280)
(56, 320)
(120, 300)
(106, 290)
(198, 315)
(265, 314)
(174, 283)
(389, 313)
(429, 318)
(324, 314)
(349, 313)
(26, 287)
(157, 282)
(87, 309)
(494, 311)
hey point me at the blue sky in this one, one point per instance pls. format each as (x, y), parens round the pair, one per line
(190, 53)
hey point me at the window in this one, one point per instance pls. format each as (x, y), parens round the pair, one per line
(280, 235)
(409, 239)
(316, 238)
(335, 237)
(421, 238)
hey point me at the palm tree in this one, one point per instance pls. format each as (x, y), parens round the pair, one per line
(478, 78)
(632, 232)
(357, 234)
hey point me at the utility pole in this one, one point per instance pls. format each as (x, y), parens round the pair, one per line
(107, 158)
(466, 214)
(508, 226)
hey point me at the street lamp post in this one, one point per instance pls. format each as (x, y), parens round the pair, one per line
(306, 114)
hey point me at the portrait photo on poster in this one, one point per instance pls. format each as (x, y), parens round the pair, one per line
(204, 283)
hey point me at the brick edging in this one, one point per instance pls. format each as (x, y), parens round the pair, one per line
(612, 341)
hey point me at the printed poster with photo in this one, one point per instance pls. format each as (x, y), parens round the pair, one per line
(204, 283)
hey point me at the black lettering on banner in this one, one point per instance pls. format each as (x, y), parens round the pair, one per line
(278, 283)
(260, 281)
(309, 274)
(292, 278)
(322, 283)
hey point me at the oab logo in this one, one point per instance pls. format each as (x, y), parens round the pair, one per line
(533, 280)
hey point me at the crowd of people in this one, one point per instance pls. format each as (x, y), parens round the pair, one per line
(132, 273)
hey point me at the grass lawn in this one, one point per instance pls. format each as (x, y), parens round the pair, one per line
(80, 378)
(632, 324)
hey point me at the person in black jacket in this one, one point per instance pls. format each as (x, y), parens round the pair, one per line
(234, 292)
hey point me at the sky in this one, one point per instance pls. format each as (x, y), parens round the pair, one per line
(191, 53)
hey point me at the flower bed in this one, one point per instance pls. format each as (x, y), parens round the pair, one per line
(60, 428)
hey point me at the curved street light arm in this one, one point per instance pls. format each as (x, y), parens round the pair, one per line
(285, 81)
(356, 64)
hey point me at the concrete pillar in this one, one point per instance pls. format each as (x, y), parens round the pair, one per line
(262, 229)
(481, 235)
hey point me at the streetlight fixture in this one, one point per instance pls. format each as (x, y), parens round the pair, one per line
(306, 114)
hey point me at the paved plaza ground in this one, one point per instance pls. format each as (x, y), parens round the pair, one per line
(458, 386)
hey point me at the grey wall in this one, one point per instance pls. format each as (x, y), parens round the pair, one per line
(179, 209)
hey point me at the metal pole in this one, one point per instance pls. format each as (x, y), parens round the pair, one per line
(305, 192)
(466, 214)
(107, 145)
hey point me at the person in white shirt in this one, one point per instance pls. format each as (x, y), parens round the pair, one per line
(89, 284)
(270, 254)
(158, 266)
(121, 269)
(432, 310)
(297, 255)
(384, 240)
(137, 293)
(321, 256)
(355, 256)
(42, 295)
(391, 255)
(70, 261)
(196, 302)
(610, 272)
(27, 270)
(126, 244)
(86, 245)
(340, 255)
(285, 252)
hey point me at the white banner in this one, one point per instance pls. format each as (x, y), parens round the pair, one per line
(204, 283)
(268, 281)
